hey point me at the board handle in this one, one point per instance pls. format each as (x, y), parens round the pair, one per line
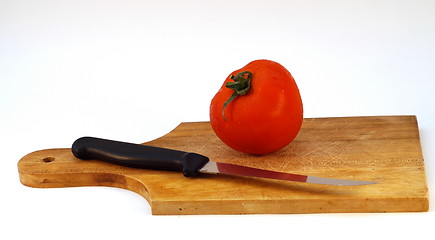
(138, 155)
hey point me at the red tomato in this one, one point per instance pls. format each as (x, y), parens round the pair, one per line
(258, 109)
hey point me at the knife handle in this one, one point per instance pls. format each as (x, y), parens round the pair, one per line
(138, 155)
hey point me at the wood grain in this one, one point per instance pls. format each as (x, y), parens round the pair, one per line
(385, 149)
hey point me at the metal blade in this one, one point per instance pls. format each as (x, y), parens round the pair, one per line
(231, 169)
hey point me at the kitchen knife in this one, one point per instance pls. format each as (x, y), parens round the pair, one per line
(190, 164)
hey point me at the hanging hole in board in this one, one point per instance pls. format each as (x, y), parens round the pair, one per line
(48, 159)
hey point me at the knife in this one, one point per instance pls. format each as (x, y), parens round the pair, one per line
(190, 164)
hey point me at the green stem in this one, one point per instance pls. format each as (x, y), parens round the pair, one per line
(240, 86)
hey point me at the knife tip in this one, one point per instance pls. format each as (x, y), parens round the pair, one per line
(338, 182)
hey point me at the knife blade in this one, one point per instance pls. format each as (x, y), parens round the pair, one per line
(190, 164)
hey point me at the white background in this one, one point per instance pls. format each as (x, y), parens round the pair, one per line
(132, 70)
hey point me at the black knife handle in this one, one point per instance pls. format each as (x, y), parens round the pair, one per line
(138, 155)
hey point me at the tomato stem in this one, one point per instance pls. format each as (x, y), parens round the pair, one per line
(240, 86)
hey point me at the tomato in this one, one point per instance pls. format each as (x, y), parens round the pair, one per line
(258, 109)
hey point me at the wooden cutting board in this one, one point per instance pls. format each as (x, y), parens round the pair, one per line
(385, 149)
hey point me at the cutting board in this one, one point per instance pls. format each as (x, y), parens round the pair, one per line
(385, 149)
